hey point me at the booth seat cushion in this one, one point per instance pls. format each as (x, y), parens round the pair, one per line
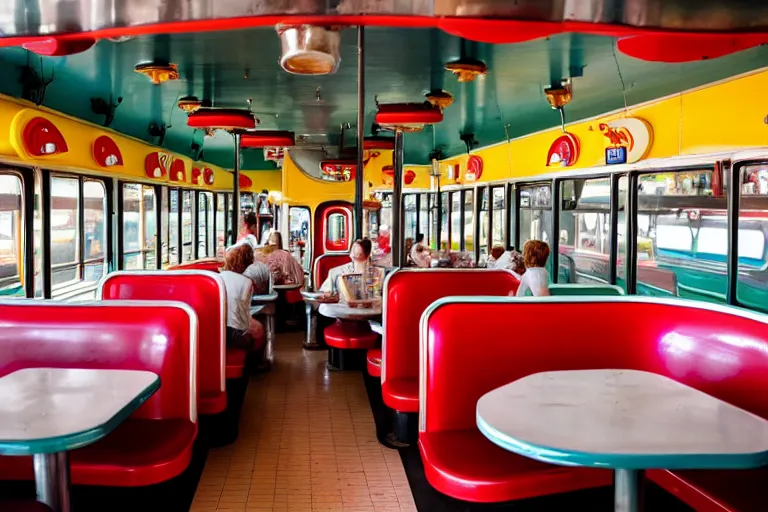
(402, 394)
(235, 362)
(465, 465)
(136, 454)
(349, 335)
(717, 491)
(323, 265)
(374, 362)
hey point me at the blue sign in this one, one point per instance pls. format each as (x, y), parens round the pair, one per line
(615, 156)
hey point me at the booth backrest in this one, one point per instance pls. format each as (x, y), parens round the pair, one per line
(210, 264)
(157, 336)
(563, 290)
(324, 263)
(407, 294)
(201, 290)
(472, 345)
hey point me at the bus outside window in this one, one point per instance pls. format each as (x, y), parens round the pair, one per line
(753, 232)
(11, 236)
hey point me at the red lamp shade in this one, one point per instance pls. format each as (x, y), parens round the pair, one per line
(208, 176)
(178, 170)
(42, 138)
(59, 46)
(245, 181)
(378, 143)
(221, 118)
(106, 153)
(267, 139)
(339, 170)
(674, 48)
(408, 114)
(156, 164)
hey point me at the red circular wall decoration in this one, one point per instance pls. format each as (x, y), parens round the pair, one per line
(178, 170)
(156, 164)
(42, 138)
(564, 151)
(245, 181)
(474, 168)
(208, 176)
(196, 174)
(106, 153)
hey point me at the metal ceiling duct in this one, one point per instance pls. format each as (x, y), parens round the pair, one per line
(309, 49)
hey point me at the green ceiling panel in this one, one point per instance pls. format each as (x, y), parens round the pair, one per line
(228, 68)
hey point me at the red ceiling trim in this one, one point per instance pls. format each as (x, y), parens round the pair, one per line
(267, 139)
(222, 118)
(675, 48)
(402, 114)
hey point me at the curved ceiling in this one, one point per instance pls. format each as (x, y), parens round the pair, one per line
(230, 67)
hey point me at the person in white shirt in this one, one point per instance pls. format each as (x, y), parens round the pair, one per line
(497, 251)
(248, 235)
(420, 254)
(536, 277)
(360, 256)
(242, 330)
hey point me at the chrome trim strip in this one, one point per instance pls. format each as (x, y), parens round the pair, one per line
(222, 302)
(143, 304)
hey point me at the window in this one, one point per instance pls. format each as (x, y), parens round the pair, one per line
(411, 215)
(425, 226)
(204, 224)
(95, 232)
(498, 212)
(455, 221)
(298, 218)
(469, 223)
(536, 215)
(682, 236)
(186, 225)
(11, 236)
(585, 227)
(753, 231)
(139, 227)
(64, 222)
(221, 225)
(337, 225)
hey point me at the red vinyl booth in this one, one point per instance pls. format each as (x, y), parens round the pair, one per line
(373, 362)
(407, 293)
(205, 293)
(718, 350)
(324, 264)
(211, 264)
(155, 443)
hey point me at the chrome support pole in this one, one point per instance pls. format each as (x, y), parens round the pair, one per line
(360, 174)
(52, 480)
(236, 191)
(628, 485)
(310, 341)
(397, 201)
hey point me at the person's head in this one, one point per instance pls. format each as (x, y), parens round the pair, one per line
(239, 259)
(361, 250)
(268, 249)
(535, 253)
(251, 223)
(497, 251)
(420, 238)
(276, 239)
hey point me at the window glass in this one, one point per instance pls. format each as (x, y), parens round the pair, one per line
(139, 226)
(336, 232)
(203, 221)
(298, 218)
(498, 237)
(585, 227)
(425, 226)
(752, 287)
(231, 232)
(164, 226)
(95, 230)
(11, 236)
(186, 223)
(64, 223)
(444, 207)
(455, 221)
(409, 206)
(682, 236)
(149, 246)
(38, 230)
(469, 223)
(221, 226)
(536, 216)
(173, 226)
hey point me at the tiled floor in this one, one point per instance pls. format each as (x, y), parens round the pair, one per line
(307, 444)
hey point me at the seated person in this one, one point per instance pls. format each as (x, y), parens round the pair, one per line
(420, 253)
(248, 233)
(259, 274)
(242, 331)
(536, 277)
(283, 266)
(361, 263)
(496, 253)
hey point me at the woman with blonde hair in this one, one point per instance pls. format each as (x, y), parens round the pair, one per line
(283, 266)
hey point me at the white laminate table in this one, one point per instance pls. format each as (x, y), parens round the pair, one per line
(625, 420)
(344, 312)
(45, 412)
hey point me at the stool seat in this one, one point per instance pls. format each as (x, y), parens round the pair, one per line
(374, 362)
(350, 335)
